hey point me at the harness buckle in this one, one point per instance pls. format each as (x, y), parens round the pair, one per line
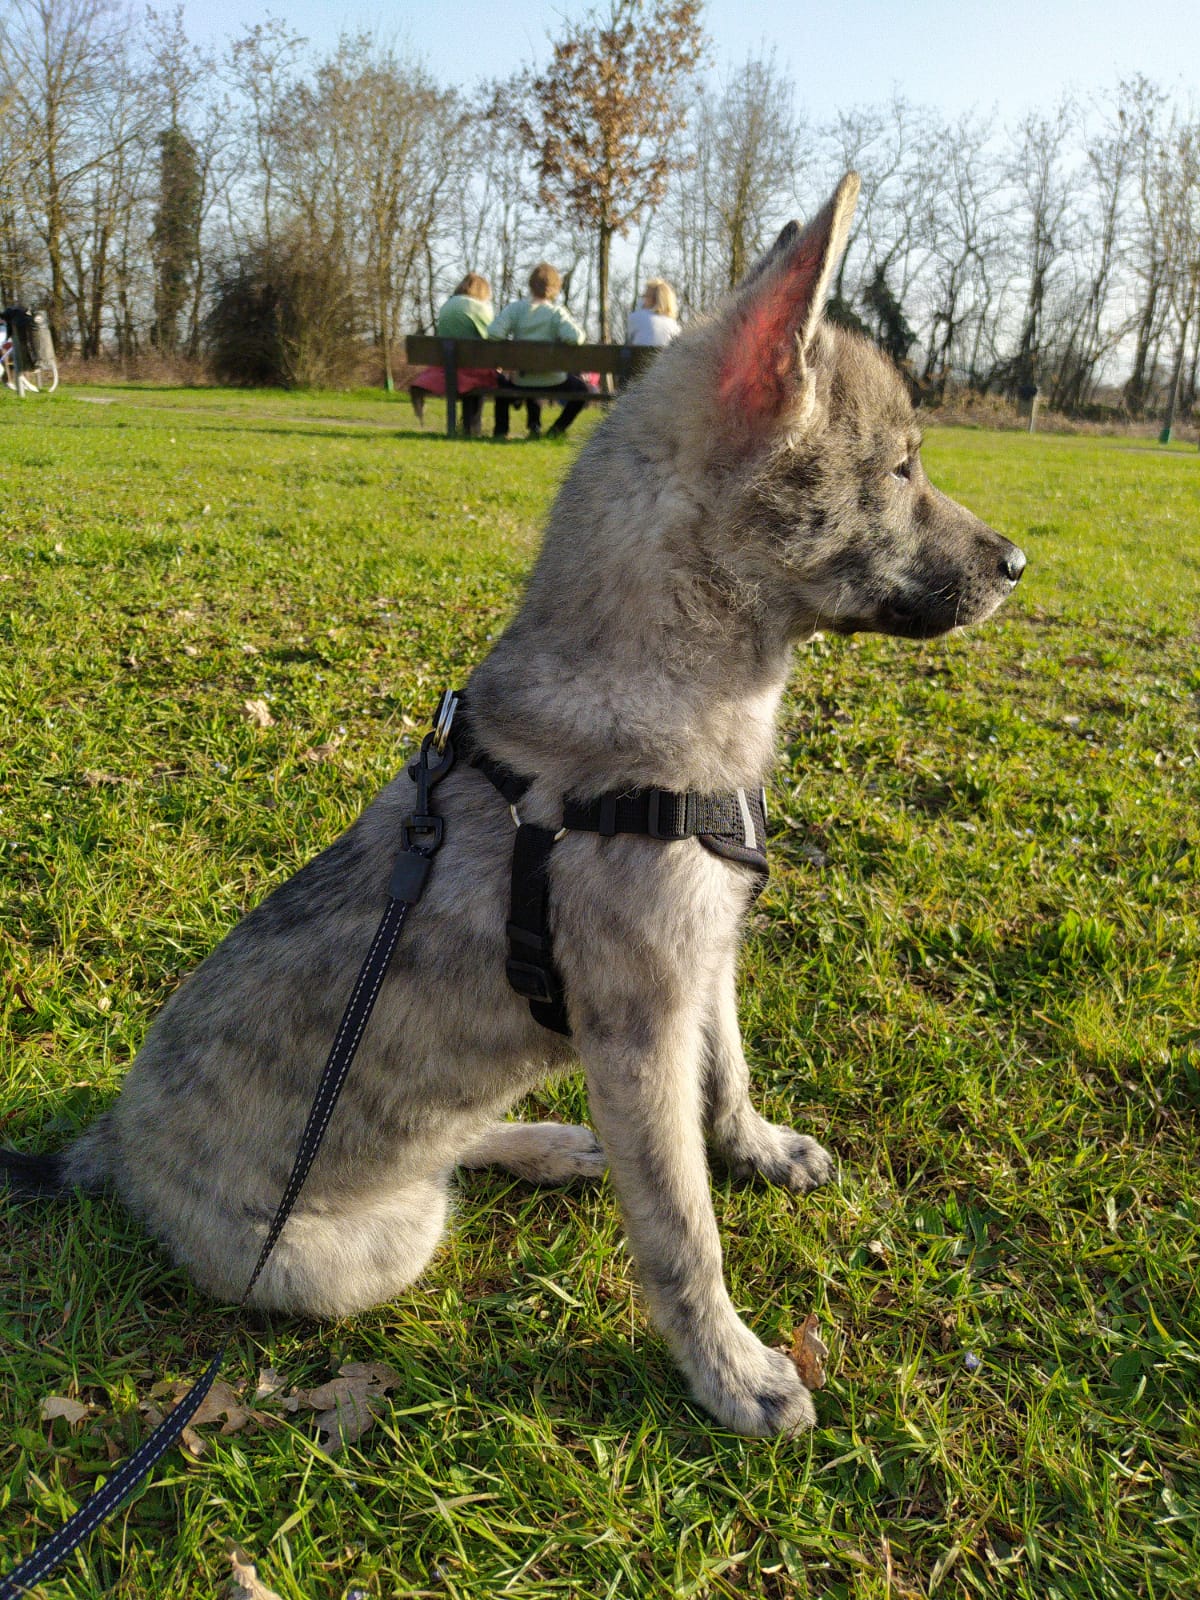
(530, 982)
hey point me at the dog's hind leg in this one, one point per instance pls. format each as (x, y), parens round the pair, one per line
(539, 1152)
(742, 1141)
(644, 1085)
(332, 1259)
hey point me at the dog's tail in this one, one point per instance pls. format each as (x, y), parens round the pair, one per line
(27, 1175)
(83, 1165)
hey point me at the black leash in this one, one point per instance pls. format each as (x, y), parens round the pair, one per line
(421, 836)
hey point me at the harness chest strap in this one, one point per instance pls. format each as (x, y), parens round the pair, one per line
(730, 824)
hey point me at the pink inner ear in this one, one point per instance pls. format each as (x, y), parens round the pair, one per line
(757, 375)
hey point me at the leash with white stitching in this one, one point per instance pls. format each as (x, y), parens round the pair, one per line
(421, 836)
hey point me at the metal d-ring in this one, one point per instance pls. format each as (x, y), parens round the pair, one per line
(443, 719)
(512, 811)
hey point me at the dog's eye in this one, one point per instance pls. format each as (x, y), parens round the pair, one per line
(904, 470)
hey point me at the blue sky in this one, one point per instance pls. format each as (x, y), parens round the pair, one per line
(957, 55)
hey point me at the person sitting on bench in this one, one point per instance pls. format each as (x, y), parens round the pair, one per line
(466, 315)
(539, 318)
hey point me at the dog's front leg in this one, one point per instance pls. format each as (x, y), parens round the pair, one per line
(644, 1084)
(742, 1141)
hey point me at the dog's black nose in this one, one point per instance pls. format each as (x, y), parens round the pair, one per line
(1012, 563)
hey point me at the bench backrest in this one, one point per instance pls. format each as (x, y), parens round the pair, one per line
(531, 355)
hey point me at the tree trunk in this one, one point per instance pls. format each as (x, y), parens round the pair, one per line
(1173, 389)
(602, 265)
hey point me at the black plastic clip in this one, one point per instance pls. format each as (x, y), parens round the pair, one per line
(422, 831)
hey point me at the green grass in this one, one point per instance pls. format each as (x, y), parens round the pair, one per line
(974, 975)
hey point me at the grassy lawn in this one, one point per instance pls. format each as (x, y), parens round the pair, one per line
(975, 976)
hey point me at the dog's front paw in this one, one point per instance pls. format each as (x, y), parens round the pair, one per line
(756, 1391)
(780, 1155)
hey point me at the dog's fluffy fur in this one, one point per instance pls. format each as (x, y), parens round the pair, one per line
(763, 481)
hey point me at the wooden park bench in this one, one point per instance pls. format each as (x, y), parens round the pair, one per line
(622, 362)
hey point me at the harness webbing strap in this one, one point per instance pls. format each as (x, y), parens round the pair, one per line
(531, 967)
(732, 824)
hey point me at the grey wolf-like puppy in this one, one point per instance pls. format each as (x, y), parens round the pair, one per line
(763, 481)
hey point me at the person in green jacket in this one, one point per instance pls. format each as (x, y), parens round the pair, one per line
(539, 318)
(466, 315)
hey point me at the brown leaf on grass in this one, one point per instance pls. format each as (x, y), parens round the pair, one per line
(809, 1353)
(57, 1405)
(269, 1383)
(346, 1405)
(322, 752)
(222, 1401)
(221, 1404)
(258, 713)
(245, 1583)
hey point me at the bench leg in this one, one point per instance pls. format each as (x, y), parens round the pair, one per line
(450, 368)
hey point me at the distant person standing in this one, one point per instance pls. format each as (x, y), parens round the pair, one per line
(656, 320)
(539, 318)
(466, 315)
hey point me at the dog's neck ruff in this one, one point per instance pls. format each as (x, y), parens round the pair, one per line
(731, 824)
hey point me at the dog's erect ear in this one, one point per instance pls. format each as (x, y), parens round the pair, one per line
(777, 312)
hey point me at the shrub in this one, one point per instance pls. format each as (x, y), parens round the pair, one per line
(283, 316)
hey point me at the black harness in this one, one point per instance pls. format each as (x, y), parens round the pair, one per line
(732, 824)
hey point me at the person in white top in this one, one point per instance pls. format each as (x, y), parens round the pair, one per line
(656, 320)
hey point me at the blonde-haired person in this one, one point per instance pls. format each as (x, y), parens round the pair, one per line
(656, 320)
(539, 318)
(467, 314)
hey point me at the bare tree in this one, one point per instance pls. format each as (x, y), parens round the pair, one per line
(898, 151)
(259, 70)
(1086, 333)
(1179, 178)
(56, 61)
(744, 144)
(1043, 188)
(367, 148)
(495, 225)
(965, 231)
(104, 202)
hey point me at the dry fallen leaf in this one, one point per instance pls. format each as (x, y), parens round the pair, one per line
(244, 1584)
(222, 1401)
(809, 1353)
(258, 713)
(322, 752)
(347, 1404)
(57, 1405)
(269, 1383)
